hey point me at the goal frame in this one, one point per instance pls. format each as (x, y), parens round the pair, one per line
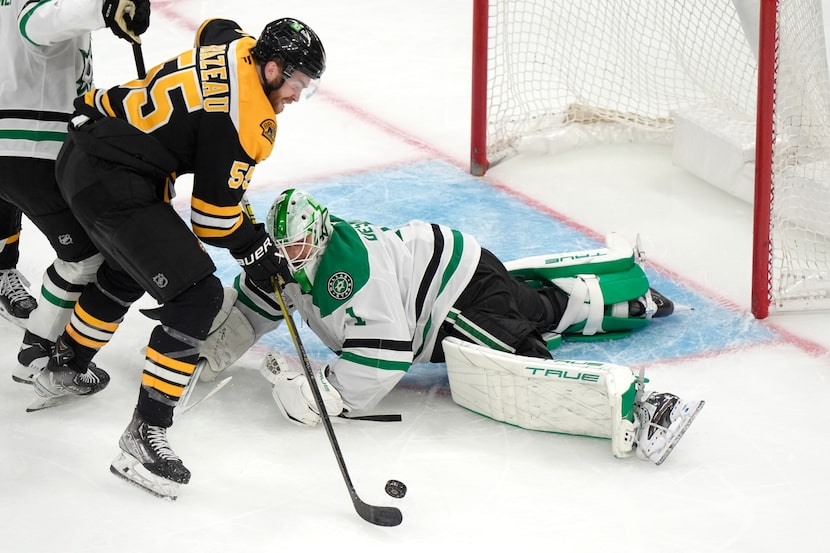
(764, 137)
(478, 125)
(764, 184)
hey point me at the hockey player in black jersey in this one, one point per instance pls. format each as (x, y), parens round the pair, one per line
(209, 111)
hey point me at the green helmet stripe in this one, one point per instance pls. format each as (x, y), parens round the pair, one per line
(282, 215)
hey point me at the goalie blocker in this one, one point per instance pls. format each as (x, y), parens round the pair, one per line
(583, 398)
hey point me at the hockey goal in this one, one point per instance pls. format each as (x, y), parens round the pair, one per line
(713, 77)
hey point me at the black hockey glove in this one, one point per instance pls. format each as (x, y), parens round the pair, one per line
(262, 261)
(127, 18)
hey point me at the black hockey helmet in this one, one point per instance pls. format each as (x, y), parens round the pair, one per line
(294, 44)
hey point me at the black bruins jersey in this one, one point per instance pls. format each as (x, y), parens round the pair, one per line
(207, 108)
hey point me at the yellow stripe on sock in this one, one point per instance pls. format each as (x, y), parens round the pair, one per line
(169, 362)
(172, 390)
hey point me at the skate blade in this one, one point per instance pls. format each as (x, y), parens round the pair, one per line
(127, 467)
(42, 403)
(23, 380)
(191, 384)
(184, 408)
(678, 433)
(12, 319)
(24, 375)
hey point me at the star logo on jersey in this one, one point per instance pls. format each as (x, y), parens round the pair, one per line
(340, 285)
(269, 130)
(84, 81)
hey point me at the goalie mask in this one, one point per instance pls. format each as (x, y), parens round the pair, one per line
(300, 226)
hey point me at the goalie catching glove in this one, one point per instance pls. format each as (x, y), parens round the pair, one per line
(127, 18)
(292, 393)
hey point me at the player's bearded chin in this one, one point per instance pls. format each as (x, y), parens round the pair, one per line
(276, 101)
(274, 97)
(271, 89)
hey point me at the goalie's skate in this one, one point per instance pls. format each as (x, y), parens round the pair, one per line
(663, 419)
(651, 305)
(663, 306)
(147, 460)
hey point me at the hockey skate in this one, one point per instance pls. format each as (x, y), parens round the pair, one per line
(16, 303)
(663, 419)
(652, 305)
(147, 461)
(59, 383)
(32, 358)
(663, 305)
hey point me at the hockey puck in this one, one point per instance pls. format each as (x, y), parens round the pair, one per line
(396, 488)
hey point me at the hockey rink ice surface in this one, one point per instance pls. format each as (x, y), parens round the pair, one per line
(385, 139)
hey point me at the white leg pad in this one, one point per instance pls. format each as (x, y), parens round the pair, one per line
(226, 343)
(572, 397)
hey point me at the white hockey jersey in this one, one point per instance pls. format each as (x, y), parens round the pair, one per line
(378, 297)
(47, 63)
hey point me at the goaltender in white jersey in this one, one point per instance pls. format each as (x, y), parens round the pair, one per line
(383, 299)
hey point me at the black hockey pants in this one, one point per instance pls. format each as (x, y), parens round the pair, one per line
(148, 247)
(29, 184)
(497, 311)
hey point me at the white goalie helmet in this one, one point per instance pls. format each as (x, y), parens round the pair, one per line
(300, 226)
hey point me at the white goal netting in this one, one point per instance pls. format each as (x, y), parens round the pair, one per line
(562, 73)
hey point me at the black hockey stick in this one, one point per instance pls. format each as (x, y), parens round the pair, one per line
(381, 516)
(139, 60)
(375, 418)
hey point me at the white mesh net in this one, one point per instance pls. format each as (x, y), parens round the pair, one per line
(625, 65)
(800, 207)
(563, 73)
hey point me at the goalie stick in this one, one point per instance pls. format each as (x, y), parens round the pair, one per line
(381, 516)
(378, 515)
(375, 418)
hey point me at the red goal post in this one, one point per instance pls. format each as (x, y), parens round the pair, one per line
(739, 88)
